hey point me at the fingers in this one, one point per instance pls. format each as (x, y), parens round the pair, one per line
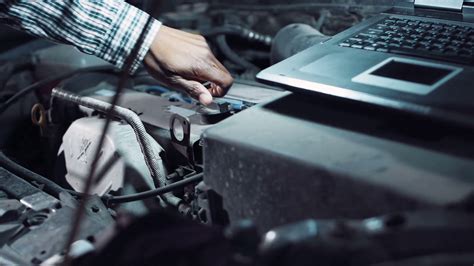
(185, 61)
(212, 70)
(223, 82)
(195, 90)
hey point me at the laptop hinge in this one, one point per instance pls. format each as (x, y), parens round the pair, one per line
(455, 5)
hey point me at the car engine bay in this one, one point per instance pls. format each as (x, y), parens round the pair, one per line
(179, 183)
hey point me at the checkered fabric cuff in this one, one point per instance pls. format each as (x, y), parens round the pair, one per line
(124, 34)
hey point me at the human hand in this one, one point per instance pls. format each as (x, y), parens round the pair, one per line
(184, 61)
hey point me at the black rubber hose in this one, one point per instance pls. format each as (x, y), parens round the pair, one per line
(155, 192)
(11, 68)
(239, 31)
(49, 186)
(4, 106)
(233, 56)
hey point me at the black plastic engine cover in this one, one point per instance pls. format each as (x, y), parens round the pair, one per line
(298, 158)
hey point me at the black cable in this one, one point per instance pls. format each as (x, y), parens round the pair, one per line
(4, 106)
(56, 190)
(239, 31)
(153, 193)
(11, 68)
(49, 186)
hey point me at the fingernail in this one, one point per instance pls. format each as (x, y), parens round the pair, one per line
(205, 98)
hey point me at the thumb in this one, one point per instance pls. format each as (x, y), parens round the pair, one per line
(195, 90)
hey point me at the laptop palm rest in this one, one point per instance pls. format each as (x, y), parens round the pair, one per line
(394, 73)
(408, 75)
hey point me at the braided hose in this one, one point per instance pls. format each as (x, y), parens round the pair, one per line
(152, 159)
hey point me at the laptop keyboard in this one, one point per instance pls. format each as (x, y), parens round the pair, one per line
(433, 40)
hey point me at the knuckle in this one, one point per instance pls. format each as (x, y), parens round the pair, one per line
(194, 87)
(228, 80)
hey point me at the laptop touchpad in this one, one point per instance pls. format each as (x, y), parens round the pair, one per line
(407, 75)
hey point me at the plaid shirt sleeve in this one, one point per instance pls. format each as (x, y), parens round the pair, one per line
(108, 29)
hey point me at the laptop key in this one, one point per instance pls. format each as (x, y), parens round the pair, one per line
(375, 31)
(366, 35)
(426, 39)
(439, 46)
(424, 43)
(427, 55)
(465, 52)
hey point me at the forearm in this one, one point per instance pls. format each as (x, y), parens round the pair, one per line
(108, 29)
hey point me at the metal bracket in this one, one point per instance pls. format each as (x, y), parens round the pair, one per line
(180, 130)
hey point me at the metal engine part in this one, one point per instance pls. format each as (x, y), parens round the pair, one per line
(34, 225)
(293, 39)
(158, 114)
(396, 239)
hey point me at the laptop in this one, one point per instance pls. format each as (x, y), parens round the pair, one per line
(417, 57)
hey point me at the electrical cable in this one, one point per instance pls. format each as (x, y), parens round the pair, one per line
(153, 193)
(25, 174)
(4, 106)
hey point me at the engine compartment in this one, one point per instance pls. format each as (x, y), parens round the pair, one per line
(169, 165)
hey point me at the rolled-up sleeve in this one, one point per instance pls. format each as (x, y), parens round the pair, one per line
(108, 29)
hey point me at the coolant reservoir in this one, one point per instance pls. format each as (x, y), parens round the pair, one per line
(78, 148)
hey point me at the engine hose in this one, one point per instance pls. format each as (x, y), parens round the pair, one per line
(239, 31)
(153, 193)
(152, 159)
(232, 56)
(10, 68)
(5, 105)
(49, 186)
